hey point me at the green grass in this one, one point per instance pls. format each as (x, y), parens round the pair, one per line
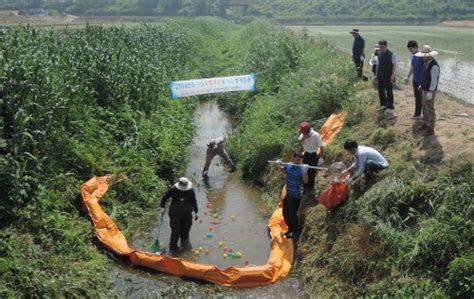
(79, 103)
(409, 229)
(409, 234)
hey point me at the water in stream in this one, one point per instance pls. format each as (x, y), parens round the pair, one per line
(236, 219)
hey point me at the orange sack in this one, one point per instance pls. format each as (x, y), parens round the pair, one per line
(278, 264)
(334, 195)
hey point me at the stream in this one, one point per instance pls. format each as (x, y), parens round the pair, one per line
(234, 218)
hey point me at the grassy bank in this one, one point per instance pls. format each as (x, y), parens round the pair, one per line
(79, 103)
(408, 235)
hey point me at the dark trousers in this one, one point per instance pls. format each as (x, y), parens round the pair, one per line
(386, 93)
(290, 212)
(418, 101)
(371, 168)
(180, 224)
(359, 67)
(312, 160)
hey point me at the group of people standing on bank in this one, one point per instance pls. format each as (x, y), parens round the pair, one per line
(424, 70)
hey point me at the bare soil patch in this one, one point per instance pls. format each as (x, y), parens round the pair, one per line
(454, 133)
(464, 24)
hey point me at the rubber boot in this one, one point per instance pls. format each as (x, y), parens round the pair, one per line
(186, 244)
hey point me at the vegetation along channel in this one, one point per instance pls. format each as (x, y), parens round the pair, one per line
(93, 100)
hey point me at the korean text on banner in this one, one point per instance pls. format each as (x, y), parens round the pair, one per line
(195, 87)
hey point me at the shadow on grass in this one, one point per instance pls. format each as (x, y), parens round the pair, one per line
(432, 150)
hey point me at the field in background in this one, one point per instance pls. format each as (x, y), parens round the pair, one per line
(454, 45)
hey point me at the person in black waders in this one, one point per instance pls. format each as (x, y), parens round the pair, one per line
(183, 204)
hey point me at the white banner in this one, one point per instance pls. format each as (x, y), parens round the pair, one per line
(195, 87)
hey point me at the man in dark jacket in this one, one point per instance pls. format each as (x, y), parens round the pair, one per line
(429, 87)
(183, 203)
(358, 54)
(385, 73)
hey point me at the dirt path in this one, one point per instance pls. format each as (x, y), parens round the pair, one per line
(454, 133)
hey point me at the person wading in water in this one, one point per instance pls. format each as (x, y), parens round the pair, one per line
(183, 204)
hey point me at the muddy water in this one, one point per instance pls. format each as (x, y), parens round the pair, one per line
(235, 219)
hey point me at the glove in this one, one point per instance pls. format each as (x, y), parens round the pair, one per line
(362, 58)
(320, 161)
(278, 162)
(348, 181)
(429, 95)
(305, 167)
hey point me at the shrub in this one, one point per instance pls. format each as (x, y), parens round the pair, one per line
(460, 278)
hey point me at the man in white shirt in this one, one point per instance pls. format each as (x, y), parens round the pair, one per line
(311, 142)
(366, 160)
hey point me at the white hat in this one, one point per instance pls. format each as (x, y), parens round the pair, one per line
(426, 51)
(184, 184)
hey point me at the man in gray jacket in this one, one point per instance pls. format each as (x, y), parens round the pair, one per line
(216, 147)
(429, 87)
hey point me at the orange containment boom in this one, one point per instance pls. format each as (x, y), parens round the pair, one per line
(278, 264)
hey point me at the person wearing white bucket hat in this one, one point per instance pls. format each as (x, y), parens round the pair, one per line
(180, 212)
(429, 87)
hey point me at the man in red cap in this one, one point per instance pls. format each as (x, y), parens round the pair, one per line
(311, 141)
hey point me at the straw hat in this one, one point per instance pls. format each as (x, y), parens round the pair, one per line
(355, 30)
(184, 184)
(426, 51)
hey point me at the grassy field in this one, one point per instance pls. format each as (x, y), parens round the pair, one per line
(450, 42)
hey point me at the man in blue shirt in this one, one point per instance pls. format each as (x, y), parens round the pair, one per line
(417, 69)
(296, 175)
(358, 54)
